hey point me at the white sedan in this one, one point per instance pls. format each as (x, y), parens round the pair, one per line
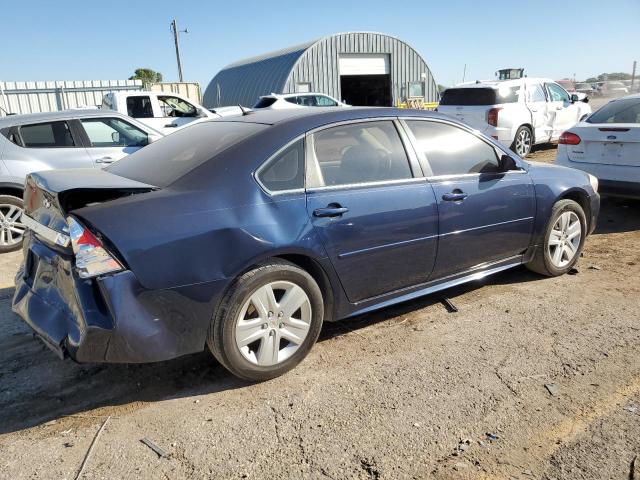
(277, 101)
(607, 145)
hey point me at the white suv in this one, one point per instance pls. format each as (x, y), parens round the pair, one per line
(277, 101)
(519, 113)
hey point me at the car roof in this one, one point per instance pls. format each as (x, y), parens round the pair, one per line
(11, 120)
(318, 116)
(497, 83)
(288, 95)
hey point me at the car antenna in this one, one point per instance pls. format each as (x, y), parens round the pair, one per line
(244, 110)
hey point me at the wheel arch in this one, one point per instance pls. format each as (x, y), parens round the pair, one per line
(308, 262)
(12, 189)
(531, 129)
(581, 197)
(315, 269)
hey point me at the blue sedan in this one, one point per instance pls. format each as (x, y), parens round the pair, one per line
(246, 234)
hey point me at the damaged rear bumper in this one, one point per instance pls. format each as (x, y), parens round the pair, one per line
(111, 318)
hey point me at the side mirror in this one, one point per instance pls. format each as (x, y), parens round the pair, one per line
(115, 137)
(574, 98)
(507, 163)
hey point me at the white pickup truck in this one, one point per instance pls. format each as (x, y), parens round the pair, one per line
(163, 111)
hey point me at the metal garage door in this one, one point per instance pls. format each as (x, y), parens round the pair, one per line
(364, 64)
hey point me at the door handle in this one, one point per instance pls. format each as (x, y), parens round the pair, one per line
(104, 160)
(170, 125)
(455, 196)
(331, 210)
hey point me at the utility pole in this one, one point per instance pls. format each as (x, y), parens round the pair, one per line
(176, 33)
(633, 75)
(464, 72)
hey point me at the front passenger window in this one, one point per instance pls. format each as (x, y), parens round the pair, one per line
(557, 93)
(360, 153)
(450, 150)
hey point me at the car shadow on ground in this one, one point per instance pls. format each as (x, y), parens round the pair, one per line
(618, 215)
(37, 387)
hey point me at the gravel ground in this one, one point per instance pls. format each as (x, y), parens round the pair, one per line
(532, 378)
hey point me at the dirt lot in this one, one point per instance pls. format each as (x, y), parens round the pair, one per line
(408, 392)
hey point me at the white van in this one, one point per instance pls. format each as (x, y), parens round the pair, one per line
(519, 113)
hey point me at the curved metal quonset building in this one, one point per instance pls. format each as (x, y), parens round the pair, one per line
(361, 68)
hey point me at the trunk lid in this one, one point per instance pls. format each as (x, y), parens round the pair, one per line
(49, 196)
(607, 143)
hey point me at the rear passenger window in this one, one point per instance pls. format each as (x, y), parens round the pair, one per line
(47, 135)
(139, 107)
(322, 101)
(452, 151)
(285, 171)
(359, 153)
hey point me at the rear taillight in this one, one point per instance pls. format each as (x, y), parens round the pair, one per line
(92, 258)
(492, 116)
(569, 138)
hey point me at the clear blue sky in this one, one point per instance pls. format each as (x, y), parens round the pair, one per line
(90, 40)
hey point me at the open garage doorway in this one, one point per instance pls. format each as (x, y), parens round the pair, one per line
(366, 90)
(365, 79)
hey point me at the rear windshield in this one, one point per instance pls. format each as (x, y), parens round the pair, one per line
(480, 96)
(619, 111)
(265, 102)
(163, 162)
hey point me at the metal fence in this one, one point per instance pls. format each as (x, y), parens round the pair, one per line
(32, 97)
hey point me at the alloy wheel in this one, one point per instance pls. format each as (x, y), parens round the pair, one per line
(11, 227)
(564, 239)
(273, 323)
(523, 142)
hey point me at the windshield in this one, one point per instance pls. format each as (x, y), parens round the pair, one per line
(480, 96)
(165, 161)
(619, 111)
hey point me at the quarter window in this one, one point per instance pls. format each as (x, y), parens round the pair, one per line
(47, 135)
(285, 171)
(450, 150)
(557, 93)
(359, 153)
(112, 132)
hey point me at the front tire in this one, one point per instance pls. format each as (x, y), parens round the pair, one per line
(267, 322)
(11, 227)
(563, 240)
(523, 141)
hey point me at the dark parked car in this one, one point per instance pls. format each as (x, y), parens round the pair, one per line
(246, 234)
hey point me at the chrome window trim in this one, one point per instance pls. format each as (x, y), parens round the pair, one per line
(316, 175)
(498, 151)
(346, 186)
(49, 234)
(265, 164)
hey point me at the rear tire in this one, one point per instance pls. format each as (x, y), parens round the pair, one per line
(523, 141)
(561, 247)
(267, 321)
(11, 227)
